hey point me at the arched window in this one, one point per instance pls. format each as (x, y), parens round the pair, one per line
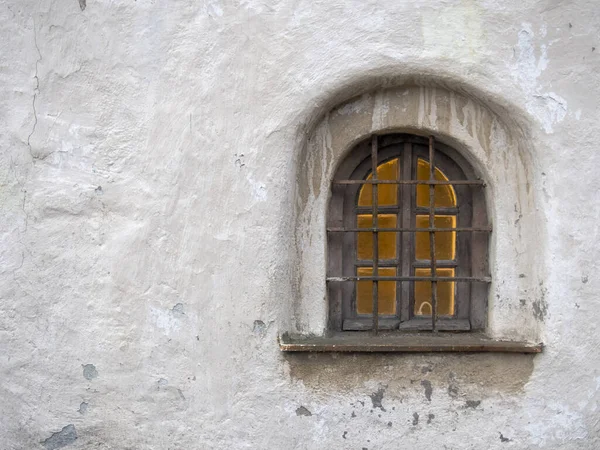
(407, 239)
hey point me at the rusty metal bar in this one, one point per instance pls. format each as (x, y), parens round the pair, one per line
(434, 182)
(375, 236)
(421, 210)
(398, 300)
(432, 234)
(412, 278)
(408, 230)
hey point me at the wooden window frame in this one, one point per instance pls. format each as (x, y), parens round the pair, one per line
(472, 243)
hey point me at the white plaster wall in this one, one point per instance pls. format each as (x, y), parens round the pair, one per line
(150, 151)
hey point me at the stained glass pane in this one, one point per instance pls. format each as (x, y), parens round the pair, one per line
(386, 291)
(445, 293)
(445, 242)
(387, 194)
(444, 195)
(387, 240)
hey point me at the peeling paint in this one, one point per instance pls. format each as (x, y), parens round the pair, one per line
(167, 320)
(377, 398)
(428, 389)
(259, 327)
(531, 61)
(302, 411)
(540, 309)
(89, 371)
(178, 309)
(62, 438)
(83, 407)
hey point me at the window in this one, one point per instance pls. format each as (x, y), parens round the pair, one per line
(483, 169)
(412, 235)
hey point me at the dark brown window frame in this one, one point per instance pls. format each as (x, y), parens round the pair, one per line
(472, 230)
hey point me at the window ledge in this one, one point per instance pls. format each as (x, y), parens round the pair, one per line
(404, 343)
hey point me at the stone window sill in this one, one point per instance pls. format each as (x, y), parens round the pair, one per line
(404, 343)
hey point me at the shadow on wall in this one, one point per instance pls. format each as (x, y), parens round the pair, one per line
(460, 376)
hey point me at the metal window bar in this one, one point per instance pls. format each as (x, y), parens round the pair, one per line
(409, 230)
(434, 182)
(375, 230)
(375, 215)
(411, 278)
(432, 235)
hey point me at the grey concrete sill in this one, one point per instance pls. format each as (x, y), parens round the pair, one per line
(403, 343)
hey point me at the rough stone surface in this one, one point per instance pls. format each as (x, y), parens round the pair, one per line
(164, 178)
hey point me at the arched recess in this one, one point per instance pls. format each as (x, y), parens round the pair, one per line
(486, 135)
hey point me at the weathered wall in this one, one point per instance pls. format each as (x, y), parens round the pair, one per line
(152, 195)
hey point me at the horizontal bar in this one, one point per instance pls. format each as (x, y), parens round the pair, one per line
(421, 210)
(446, 211)
(441, 264)
(371, 278)
(407, 230)
(367, 324)
(394, 263)
(368, 263)
(422, 324)
(442, 324)
(450, 210)
(427, 182)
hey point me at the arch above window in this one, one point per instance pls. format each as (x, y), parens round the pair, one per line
(481, 138)
(401, 228)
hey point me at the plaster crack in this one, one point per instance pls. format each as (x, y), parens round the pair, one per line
(36, 91)
(20, 266)
(25, 211)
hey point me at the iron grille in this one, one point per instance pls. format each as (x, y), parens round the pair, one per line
(431, 229)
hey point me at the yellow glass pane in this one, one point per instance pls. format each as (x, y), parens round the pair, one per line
(444, 195)
(387, 194)
(387, 240)
(445, 293)
(445, 242)
(386, 291)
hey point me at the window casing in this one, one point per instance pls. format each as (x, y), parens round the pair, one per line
(402, 206)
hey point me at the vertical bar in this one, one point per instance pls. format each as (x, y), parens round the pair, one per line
(432, 234)
(399, 246)
(406, 208)
(375, 236)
